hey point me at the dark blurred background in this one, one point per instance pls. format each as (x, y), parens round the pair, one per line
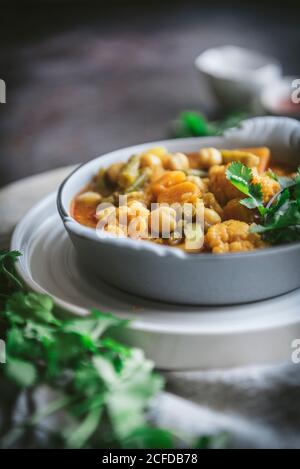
(87, 77)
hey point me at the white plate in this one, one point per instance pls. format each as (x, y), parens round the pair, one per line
(174, 336)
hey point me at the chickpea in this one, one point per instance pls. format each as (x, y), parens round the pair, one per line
(137, 209)
(194, 237)
(177, 161)
(123, 215)
(211, 217)
(106, 216)
(150, 160)
(162, 220)
(138, 227)
(199, 210)
(134, 210)
(196, 180)
(209, 157)
(105, 213)
(113, 172)
(134, 196)
(115, 230)
(89, 197)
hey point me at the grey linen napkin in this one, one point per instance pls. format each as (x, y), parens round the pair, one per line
(258, 405)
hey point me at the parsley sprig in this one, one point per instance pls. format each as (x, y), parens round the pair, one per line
(241, 177)
(280, 218)
(102, 386)
(195, 124)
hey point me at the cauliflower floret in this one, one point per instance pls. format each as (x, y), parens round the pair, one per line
(269, 186)
(225, 191)
(220, 186)
(232, 236)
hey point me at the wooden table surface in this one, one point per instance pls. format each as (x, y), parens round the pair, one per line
(84, 78)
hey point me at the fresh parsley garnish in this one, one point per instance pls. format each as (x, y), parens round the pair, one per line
(281, 223)
(240, 177)
(103, 387)
(280, 218)
(195, 124)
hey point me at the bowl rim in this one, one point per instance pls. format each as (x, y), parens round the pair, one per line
(145, 245)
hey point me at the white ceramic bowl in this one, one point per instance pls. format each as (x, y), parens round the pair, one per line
(236, 75)
(169, 274)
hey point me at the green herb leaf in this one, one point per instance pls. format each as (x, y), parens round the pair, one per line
(85, 429)
(9, 281)
(104, 387)
(195, 124)
(240, 177)
(130, 392)
(281, 223)
(149, 438)
(21, 307)
(20, 371)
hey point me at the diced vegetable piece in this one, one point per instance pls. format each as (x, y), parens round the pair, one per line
(170, 178)
(143, 177)
(264, 155)
(234, 210)
(157, 151)
(245, 157)
(101, 183)
(197, 172)
(179, 193)
(113, 172)
(130, 172)
(89, 197)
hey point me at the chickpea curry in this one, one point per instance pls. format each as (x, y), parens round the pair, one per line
(245, 202)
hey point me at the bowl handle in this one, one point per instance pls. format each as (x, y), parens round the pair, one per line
(281, 134)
